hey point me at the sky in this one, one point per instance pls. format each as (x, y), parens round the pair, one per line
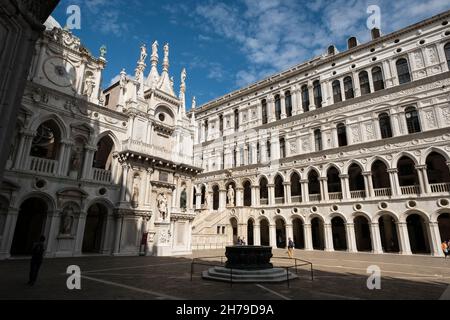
(225, 45)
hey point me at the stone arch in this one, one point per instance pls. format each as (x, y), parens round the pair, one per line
(328, 166)
(402, 154)
(431, 150)
(366, 215)
(111, 135)
(419, 233)
(64, 130)
(311, 169)
(352, 162)
(374, 159)
(103, 201)
(404, 216)
(381, 213)
(336, 214)
(291, 172)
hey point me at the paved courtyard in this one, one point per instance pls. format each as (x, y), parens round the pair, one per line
(337, 276)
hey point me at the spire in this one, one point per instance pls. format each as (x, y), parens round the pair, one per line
(139, 72)
(164, 81)
(194, 104)
(153, 77)
(182, 95)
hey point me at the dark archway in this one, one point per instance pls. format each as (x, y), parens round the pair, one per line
(281, 233)
(247, 194)
(389, 234)
(279, 190)
(362, 233)
(94, 230)
(438, 172)
(356, 181)
(444, 226)
(314, 186)
(104, 155)
(418, 235)
(339, 234)
(216, 197)
(334, 184)
(318, 234)
(296, 189)
(299, 233)
(47, 141)
(250, 233)
(265, 232)
(407, 174)
(30, 226)
(263, 191)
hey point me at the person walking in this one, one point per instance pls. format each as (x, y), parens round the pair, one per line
(37, 256)
(291, 246)
(444, 247)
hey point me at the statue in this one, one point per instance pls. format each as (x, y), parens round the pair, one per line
(123, 79)
(230, 195)
(67, 218)
(89, 86)
(166, 50)
(183, 199)
(162, 206)
(103, 51)
(143, 53)
(75, 163)
(135, 197)
(194, 103)
(155, 49)
(183, 76)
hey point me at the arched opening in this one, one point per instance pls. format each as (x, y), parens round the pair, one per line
(104, 155)
(337, 93)
(348, 88)
(282, 148)
(388, 234)
(362, 233)
(278, 107)
(318, 140)
(263, 192)
(356, 181)
(250, 234)
(342, 135)
(94, 230)
(438, 173)
(30, 226)
(339, 234)
(364, 83)
(47, 141)
(264, 111)
(334, 184)
(407, 176)
(203, 197)
(296, 189)
(234, 227)
(377, 77)
(403, 71)
(281, 233)
(194, 197)
(288, 100)
(418, 234)
(279, 190)
(318, 234)
(305, 98)
(317, 94)
(412, 120)
(385, 126)
(216, 198)
(444, 226)
(247, 194)
(380, 179)
(299, 233)
(264, 232)
(314, 186)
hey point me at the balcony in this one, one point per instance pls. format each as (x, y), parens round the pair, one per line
(440, 187)
(279, 200)
(296, 199)
(410, 190)
(101, 175)
(383, 192)
(45, 166)
(335, 196)
(315, 198)
(264, 202)
(358, 194)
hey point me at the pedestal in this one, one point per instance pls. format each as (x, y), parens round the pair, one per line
(163, 239)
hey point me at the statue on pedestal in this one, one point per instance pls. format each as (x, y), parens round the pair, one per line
(230, 196)
(67, 218)
(162, 206)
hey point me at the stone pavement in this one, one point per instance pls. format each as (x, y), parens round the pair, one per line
(338, 275)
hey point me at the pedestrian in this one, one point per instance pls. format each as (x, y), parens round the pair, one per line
(291, 246)
(37, 255)
(444, 247)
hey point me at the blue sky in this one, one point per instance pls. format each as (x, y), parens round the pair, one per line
(225, 45)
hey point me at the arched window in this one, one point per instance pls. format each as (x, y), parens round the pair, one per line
(318, 140)
(348, 87)
(221, 124)
(342, 135)
(47, 141)
(380, 176)
(447, 54)
(356, 181)
(216, 197)
(206, 129)
(314, 186)
(317, 94)
(377, 77)
(288, 100)
(279, 190)
(385, 126)
(437, 169)
(334, 183)
(264, 111)
(263, 191)
(103, 156)
(305, 98)
(269, 150)
(337, 94)
(296, 191)
(364, 82)
(278, 107)
(236, 120)
(412, 120)
(407, 173)
(403, 71)
(282, 148)
(247, 194)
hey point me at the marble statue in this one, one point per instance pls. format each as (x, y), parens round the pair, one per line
(162, 206)
(183, 199)
(143, 53)
(89, 86)
(67, 218)
(230, 195)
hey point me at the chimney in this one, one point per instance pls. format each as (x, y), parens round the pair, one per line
(331, 50)
(352, 43)
(376, 33)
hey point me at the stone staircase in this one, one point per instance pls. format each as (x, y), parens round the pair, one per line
(204, 230)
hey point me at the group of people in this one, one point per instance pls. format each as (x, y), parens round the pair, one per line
(241, 241)
(446, 248)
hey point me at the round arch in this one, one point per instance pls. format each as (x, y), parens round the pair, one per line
(52, 117)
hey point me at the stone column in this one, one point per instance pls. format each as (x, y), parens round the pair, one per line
(257, 234)
(423, 178)
(308, 237)
(305, 190)
(287, 193)
(435, 239)
(312, 105)
(342, 90)
(19, 152)
(283, 106)
(198, 201)
(80, 234)
(271, 189)
(222, 199)
(405, 246)
(52, 233)
(263, 150)
(324, 189)
(255, 196)
(372, 88)
(118, 233)
(123, 191)
(148, 189)
(356, 85)
(351, 238)
(271, 108)
(375, 237)
(273, 235)
(239, 197)
(88, 162)
(64, 154)
(345, 187)
(295, 101)
(368, 186)
(328, 233)
(395, 186)
(8, 233)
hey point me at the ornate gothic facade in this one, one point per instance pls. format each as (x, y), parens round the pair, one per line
(349, 151)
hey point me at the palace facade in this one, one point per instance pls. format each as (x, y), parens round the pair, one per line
(348, 151)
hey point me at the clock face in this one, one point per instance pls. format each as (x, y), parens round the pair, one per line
(60, 72)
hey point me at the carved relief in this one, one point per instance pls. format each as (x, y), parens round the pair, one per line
(446, 114)
(432, 55)
(418, 59)
(370, 131)
(356, 134)
(306, 145)
(431, 119)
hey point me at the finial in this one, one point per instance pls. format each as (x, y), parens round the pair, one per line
(194, 103)
(166, 57)
(143, 53)
(103, 51)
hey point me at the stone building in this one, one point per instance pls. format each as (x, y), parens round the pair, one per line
(349, 151)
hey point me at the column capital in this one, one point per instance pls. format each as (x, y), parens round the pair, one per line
(393, 170)
(421, 167)
(304, 181)
(367, 173)
(344, 176)
(323, 179)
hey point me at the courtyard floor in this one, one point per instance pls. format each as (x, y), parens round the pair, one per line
(338, 275)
